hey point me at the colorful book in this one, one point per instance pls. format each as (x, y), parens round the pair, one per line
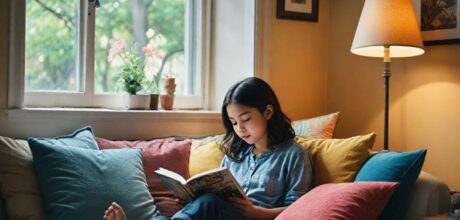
(219, 181)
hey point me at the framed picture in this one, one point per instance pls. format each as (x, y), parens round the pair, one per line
(305, 10)
(439, 21)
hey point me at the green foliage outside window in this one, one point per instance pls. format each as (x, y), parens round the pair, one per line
(52, 41)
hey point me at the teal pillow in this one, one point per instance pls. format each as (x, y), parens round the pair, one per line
(402, 167)
(83, 138)
(80, 183)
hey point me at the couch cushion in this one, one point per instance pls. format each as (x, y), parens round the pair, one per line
(341, 201)
(80, 183)
(402, 167)
(317, 127)
(18, 181)
(337, 160)
(167, 153)
(205, 157)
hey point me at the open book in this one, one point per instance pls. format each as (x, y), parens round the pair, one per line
(219, 181)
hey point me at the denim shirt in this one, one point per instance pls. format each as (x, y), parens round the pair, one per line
(274, 179)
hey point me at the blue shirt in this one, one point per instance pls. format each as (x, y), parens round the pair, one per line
(274, 179)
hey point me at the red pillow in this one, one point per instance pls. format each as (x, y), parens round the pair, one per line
(357, 200)
(167, 153)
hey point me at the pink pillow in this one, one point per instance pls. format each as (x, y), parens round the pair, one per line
(167, 153)
(357, 200)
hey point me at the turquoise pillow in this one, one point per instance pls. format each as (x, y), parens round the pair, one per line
(79, 183)
(83, 138)
(402, 167)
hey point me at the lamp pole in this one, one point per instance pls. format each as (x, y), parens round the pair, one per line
(386, 76)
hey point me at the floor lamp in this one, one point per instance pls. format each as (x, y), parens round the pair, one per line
(387, 29)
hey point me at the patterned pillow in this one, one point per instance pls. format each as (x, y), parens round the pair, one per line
(318, 127)
(364, 200)
(337, 160)
(167, 153)
(198, 142)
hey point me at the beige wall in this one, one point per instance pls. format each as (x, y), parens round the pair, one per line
(424, 96)
(296, 62)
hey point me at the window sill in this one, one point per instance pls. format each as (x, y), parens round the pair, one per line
(97, 113)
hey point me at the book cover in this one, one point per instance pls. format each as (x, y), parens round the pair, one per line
(219, 181)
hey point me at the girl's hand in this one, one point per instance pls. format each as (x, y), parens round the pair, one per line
(245, 205)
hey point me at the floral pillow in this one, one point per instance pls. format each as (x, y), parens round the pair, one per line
(317, 127)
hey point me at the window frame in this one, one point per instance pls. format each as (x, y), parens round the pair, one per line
(19, 98)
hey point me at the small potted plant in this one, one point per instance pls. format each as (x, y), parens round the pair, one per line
(132, 77)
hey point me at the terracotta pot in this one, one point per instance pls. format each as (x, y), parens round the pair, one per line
(167, 101)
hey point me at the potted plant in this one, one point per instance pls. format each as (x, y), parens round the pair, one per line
(153, 84)
(132, 76)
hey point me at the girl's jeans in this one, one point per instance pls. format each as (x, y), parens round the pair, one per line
(208, 206)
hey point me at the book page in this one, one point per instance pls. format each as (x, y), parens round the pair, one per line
(174, 185)
(171, 175)
(219, 181)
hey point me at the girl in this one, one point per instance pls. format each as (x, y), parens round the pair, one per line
(273, 170)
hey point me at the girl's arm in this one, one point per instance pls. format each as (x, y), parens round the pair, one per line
(255, 212)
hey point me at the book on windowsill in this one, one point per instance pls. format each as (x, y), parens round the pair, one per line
(219, 181)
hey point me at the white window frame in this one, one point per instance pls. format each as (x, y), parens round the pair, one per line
(19, 98)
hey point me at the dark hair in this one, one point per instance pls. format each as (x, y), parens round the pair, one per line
(256, 93)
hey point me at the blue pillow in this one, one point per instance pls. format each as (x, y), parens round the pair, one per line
(79, 183)
(83, 138)
(402, 167)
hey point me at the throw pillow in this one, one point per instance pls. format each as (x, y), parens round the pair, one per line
(402, 167)
(80, 183)
(364, 200)
(18, 181)
(317, 127)
(198, 142)
(205, 157)
(167, 153)
(337, 160)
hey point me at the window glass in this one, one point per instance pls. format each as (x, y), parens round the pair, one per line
(134, 25)
(51, 45)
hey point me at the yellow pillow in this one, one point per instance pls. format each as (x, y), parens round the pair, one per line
(337, 160)
(205, 157)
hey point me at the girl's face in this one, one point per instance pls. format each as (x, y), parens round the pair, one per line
(249, 123)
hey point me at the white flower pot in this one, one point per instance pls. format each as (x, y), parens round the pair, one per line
(138, 102)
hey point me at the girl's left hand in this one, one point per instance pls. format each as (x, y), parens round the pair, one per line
(245, 205)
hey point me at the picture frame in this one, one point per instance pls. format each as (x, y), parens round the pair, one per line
(303, 10)
(439, 24)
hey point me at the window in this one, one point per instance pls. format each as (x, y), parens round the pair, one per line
(65, 61)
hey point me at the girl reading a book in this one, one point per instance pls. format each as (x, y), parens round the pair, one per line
(273, 170)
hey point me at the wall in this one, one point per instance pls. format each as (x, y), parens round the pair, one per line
(424, 96)
(296, 63)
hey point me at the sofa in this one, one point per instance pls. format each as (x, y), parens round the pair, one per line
(76, 176)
